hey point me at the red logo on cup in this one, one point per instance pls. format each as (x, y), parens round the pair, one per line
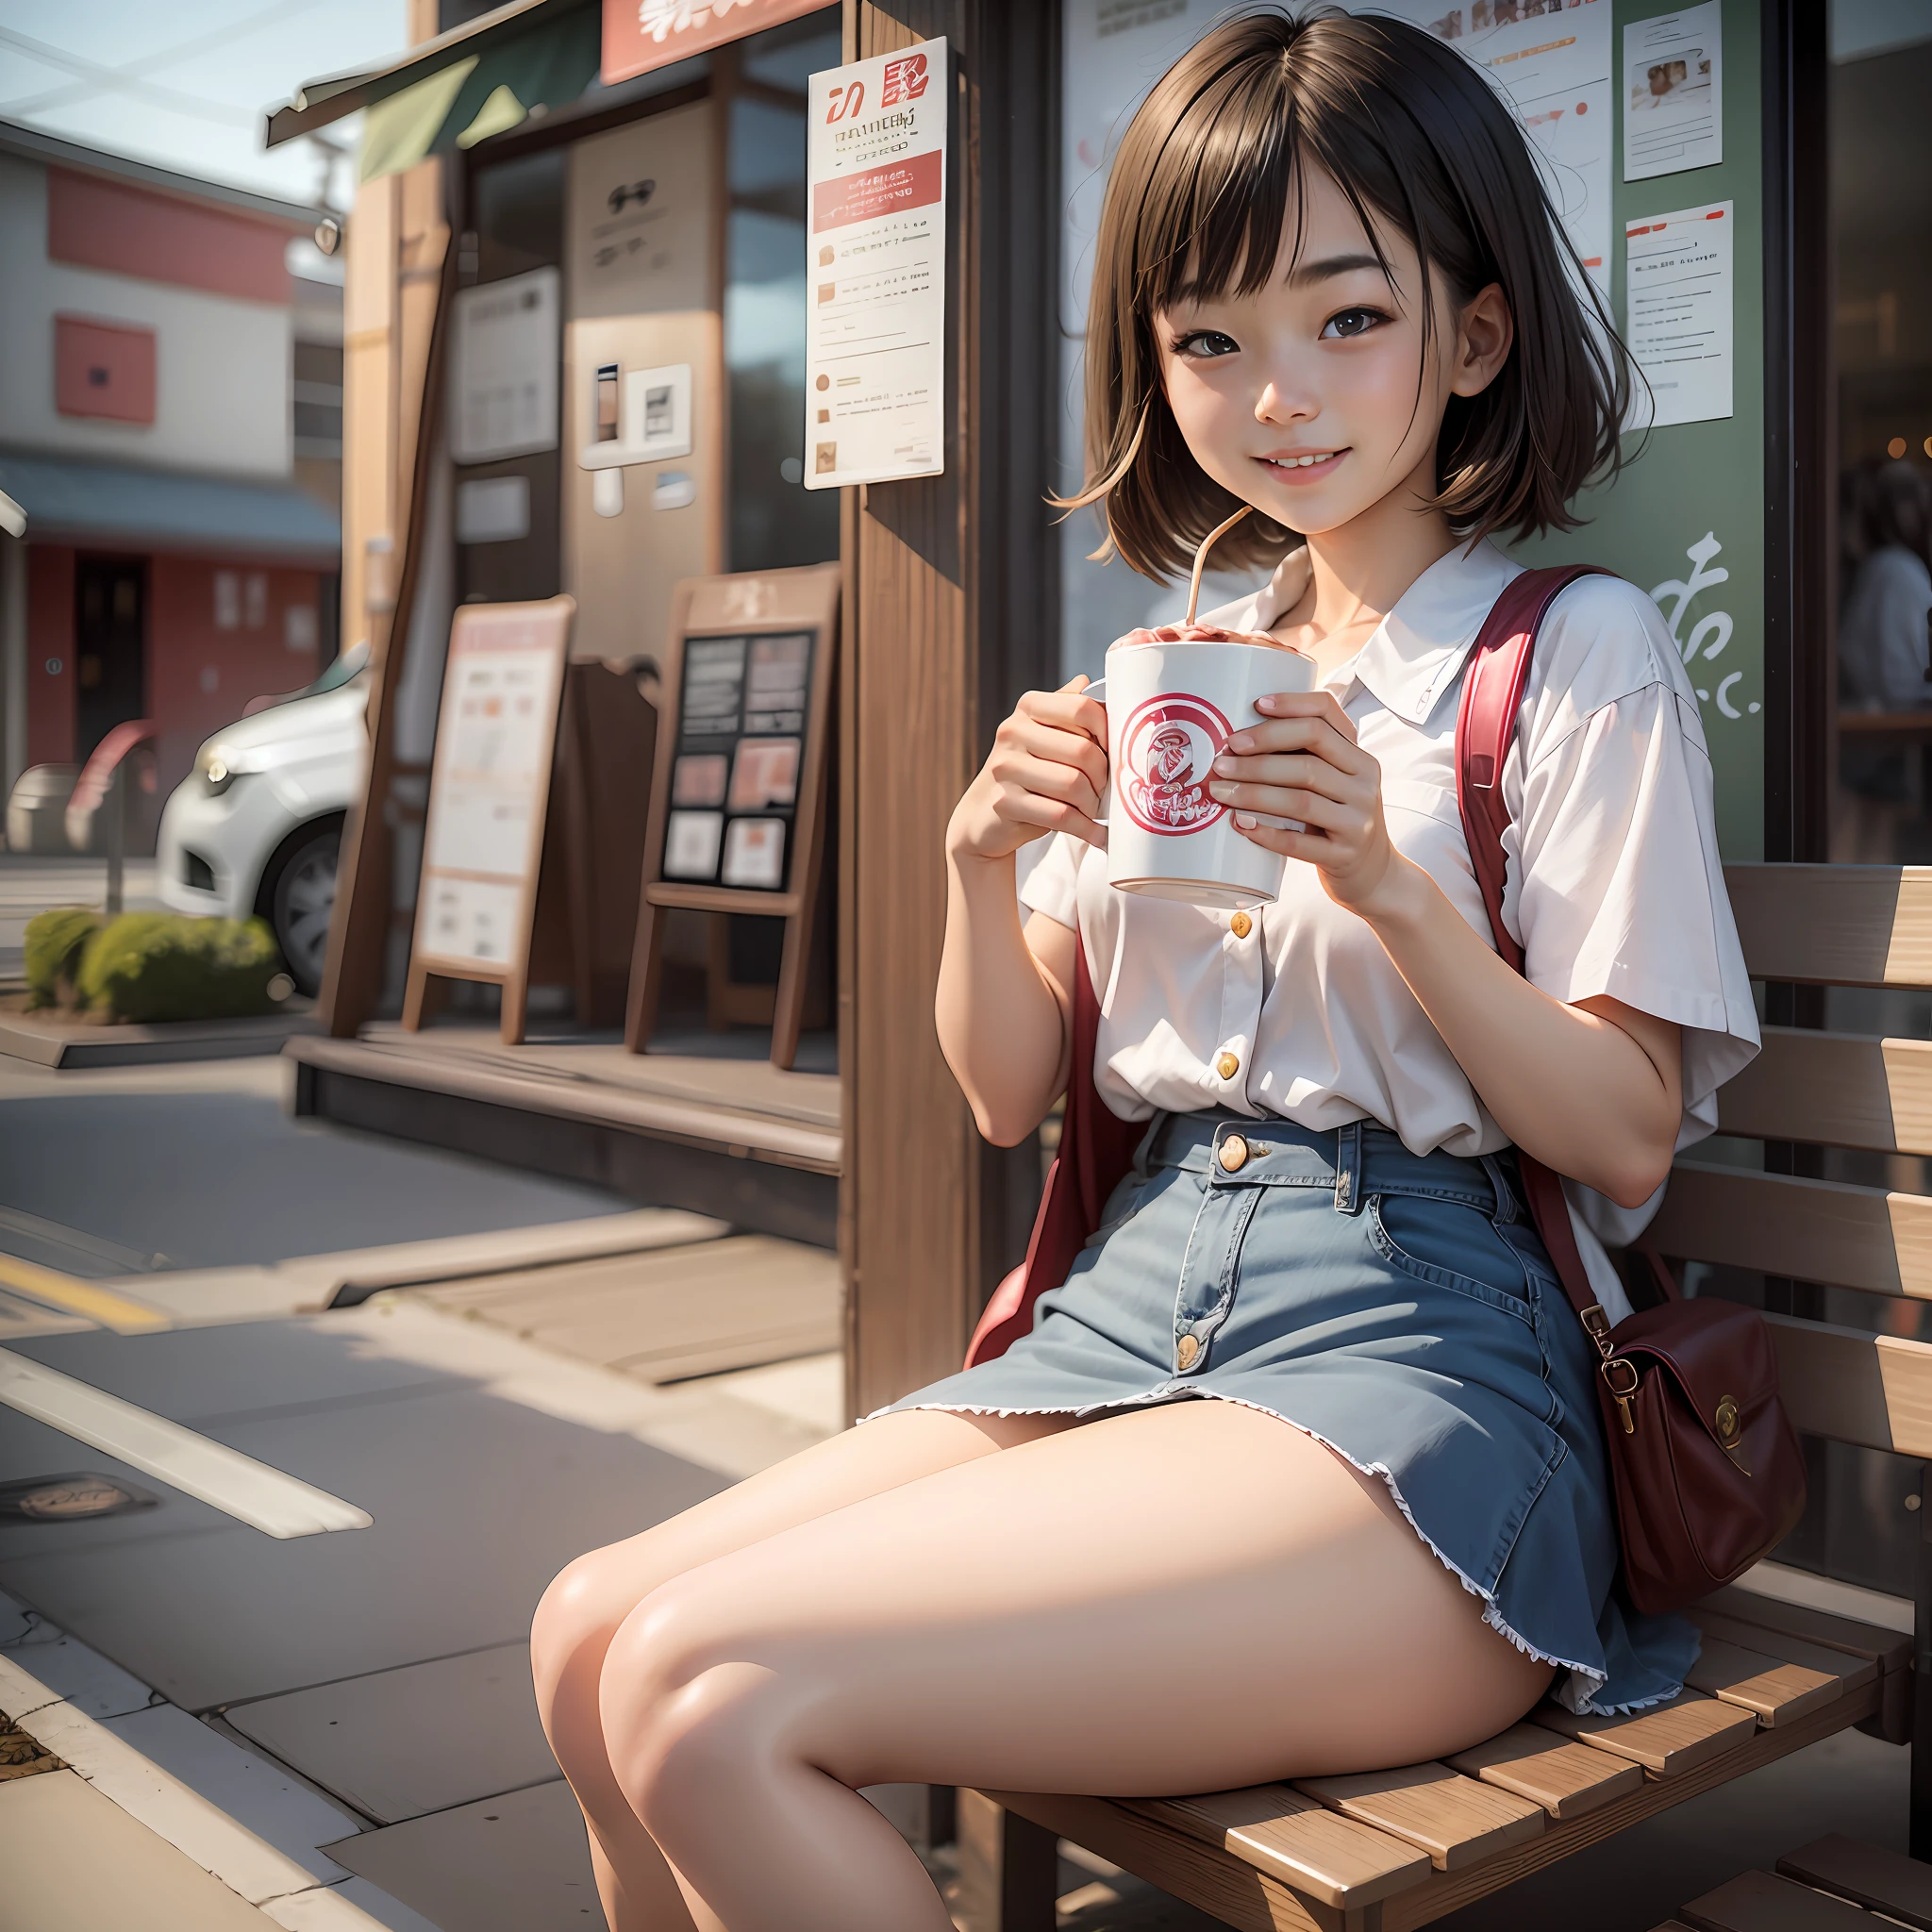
(1167, 751)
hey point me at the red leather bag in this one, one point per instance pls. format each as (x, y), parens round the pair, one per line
(1704, 1467)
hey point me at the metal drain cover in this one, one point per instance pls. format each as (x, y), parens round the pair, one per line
(69, 1498)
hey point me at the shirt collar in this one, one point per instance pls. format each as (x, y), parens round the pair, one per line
(1417, 652)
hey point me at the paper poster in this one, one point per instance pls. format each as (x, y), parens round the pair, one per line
(1677, 310)
(492, 762)
(1674, 74)
(504, 367)
(876, 266)
(1552, 62)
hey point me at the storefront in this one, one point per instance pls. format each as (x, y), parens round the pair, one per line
(1780, 136)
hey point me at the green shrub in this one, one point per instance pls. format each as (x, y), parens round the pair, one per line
(55, 941)
(149, 966)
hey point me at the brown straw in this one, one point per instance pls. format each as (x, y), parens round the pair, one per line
(1200, 556)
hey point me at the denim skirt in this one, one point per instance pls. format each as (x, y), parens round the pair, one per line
(1400, 1309)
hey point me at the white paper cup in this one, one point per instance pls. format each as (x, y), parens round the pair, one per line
(1171, 709)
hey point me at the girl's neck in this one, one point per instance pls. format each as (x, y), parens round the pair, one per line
(1358, 574)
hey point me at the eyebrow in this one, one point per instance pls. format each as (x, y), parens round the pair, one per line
(1330, 266)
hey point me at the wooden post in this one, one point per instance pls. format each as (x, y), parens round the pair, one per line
(1008, 1868)
(952, 612)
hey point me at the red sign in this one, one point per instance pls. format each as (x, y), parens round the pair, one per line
(888, 191)
(640, 35)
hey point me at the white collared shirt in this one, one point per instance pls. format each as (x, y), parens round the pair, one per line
(1614, 887)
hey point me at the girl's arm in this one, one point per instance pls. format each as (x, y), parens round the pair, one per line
(1004, 994)
(1593, 1089)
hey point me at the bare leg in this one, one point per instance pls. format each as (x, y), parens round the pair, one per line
(1179, 1599)
(583, 1609)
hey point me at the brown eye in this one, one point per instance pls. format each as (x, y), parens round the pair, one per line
(1207, 342)
(1352, 321)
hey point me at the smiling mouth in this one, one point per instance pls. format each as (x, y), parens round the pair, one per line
(1309, 461)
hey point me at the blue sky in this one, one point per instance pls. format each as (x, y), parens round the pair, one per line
(185, 86)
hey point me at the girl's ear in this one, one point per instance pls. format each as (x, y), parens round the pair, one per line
(1484, 333)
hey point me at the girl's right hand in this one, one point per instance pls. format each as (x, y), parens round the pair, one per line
(1046, 772)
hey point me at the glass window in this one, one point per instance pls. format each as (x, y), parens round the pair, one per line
(774, 520)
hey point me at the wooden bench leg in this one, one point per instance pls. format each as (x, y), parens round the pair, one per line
(1008, 1868)
(1920, 1837)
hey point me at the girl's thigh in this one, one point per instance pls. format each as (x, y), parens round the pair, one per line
(1190, 1597)
(599, 1590)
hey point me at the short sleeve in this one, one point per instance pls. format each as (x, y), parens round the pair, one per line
(1616, 887)
(1052, 885)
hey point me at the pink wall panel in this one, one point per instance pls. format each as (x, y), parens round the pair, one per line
(49, 654)
(104, 369)
(219, 634)
(131, 231)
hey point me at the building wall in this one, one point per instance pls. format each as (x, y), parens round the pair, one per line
(223, 359)
(220, 633)
(50, 685)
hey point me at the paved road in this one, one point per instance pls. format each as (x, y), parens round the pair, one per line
(31, 885)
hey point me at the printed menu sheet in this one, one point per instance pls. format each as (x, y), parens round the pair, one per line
(876, 266)
(492, 762)
(1678, 310)
(741, 744)
(1673, 116)
(1553, 61)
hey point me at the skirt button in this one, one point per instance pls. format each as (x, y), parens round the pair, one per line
(1234, 1154)
(1186, 1350)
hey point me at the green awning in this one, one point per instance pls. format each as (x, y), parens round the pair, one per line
(459, 89)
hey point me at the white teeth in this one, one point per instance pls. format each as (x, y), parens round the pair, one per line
(1300, 463)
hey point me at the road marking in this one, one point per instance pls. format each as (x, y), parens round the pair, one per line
(102, 1305)
(252, 1493)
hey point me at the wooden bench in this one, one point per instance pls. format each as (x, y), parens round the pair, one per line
(1396, 1849)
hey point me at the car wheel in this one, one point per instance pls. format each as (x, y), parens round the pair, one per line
(301, 904)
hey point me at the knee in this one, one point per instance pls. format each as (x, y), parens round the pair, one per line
(686, 1714)
(576, 1619)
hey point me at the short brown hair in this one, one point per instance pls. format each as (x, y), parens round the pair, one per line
(1409, 129)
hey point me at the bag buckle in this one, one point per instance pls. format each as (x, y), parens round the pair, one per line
(1621, 1375)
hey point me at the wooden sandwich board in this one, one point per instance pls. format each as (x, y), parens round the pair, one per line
(738, 792)
(489, 798)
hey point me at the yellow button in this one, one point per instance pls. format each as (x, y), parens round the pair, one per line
(1186, 1350)
(1227, 1066)
(1241, 925)
(1234, 1153)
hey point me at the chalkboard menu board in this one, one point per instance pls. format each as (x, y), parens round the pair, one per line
(738, 792)
(738, 759)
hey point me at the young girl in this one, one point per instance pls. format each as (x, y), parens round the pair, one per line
(1300, 1470)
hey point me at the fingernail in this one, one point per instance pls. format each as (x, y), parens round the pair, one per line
(1220, 791)
(1225, 766)
(1240, 742)
(1246, 820)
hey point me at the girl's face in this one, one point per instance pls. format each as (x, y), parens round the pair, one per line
(1302, 398)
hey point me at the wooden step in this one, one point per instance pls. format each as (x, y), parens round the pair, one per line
(1317, 1851)
(1456, 1819)
(1565, 1779)
(1869, 1875)
(1667, 1739)
(1758, 1902)
(1771, 1690)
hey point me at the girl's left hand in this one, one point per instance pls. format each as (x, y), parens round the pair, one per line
(1301, 762)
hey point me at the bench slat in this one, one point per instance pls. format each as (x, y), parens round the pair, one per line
(1667, 1739)
(1854, 1387)
(1731, 1628)
(1838, 1089)
(1835, 925)
(1828, 1231)
(1869, 1875)
(1315, 1850)
(1565, 1779)
(1771, 1619)
(1774, 1691)
(1456, 1820)
(1758, 1902)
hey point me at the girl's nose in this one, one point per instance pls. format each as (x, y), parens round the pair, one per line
(1276, 404)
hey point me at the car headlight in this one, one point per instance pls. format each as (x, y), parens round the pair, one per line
(216, 771)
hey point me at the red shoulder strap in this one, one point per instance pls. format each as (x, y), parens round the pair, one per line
(1492, 687)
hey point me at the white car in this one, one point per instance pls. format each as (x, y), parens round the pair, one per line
(255, 826)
